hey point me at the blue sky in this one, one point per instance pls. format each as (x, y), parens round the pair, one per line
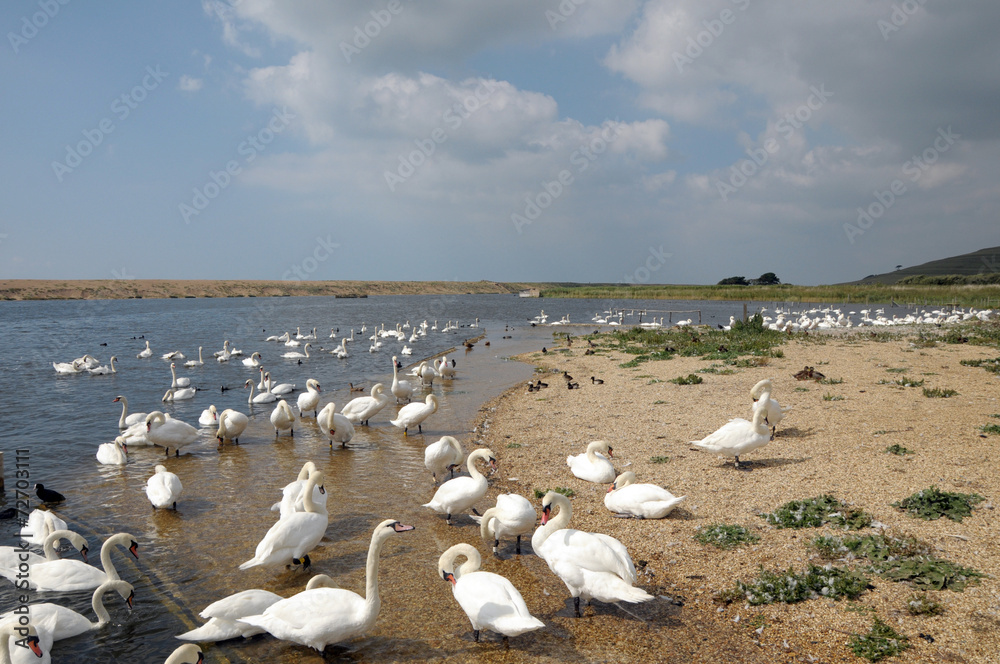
(582, 140)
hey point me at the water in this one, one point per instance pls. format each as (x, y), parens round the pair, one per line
(189, 558)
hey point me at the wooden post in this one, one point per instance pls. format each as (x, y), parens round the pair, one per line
(745, 319)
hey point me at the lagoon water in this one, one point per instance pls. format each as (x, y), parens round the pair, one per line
(189, 558)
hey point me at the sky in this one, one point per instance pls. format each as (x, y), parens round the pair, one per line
(632, 141)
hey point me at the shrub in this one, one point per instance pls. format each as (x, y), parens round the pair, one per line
(943, 393)
(690, 379)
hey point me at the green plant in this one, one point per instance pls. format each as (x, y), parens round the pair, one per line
(659, 402)
(944, 393)
(659, 459)
(801, 389)
(922, 605)
(874, 548)
(908, 382)
(569, 493)
(690, 379)
(880, 642)
(513, 446)
(814, 512)
(929, 573)
(898, 450)
(932, 503)
(725, 536)
(896, 370)
(991, 428)
(653, 381)
(832, 397)
(791, 587)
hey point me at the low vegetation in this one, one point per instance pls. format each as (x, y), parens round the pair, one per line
(943, 393)
(790, 586)
(898, 450)
(932, 503)
(690, 379)
(815, 512)
(569, 493)
(725, 536)
(880, 642)
(919, 604)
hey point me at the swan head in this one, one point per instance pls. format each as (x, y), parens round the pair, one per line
(119, 398)
(155, 416)
(548, 500)
(124, 588)
(623, 480)
(121, 442)
(389, 527)
(763, 386)
(29, 635)
(602, 446)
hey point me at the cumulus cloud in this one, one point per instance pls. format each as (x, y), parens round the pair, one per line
(189, 83)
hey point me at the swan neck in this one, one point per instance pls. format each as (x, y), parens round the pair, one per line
(473, 470)
(98, 604)
(487, 533)
(560, 520)
(121, 420)
(372, 600)
(307, 495)
(109, 567)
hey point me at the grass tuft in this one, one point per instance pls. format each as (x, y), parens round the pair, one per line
(659, 459)
(898, 450)
(690, 379)
(922, 605)
(725, 536)
(832, 397)
(569, 493)
(880, 642)
(790, 587)
(943, 393)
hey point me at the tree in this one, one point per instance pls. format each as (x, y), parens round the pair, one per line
(734, 281)
(768, 279)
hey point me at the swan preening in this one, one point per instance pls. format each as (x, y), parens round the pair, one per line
(40, 524)
(593, 466)
(114, 453)
(445, 454)
(337, 427)
(321, 616)
(64, 575)
(309, 400)
(761, 395)
(489, 600)
(737, 436)
(292, 499)
(644, 501)
(163, 488)
(461, 493)
(294, 536)
(362, 409)
(282, 418)
(512, 516)
(231, 424)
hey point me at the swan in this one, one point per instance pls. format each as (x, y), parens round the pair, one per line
(169, 433)
(104, 370)
(209, 416)
(761, 395)
(336, 426)
(295, 354)
(67, 367)
(114, 453)
(593, 466)
(309, 400)
(183, 381)
(195, 363)
(172, 355)
(137, 435)
(445, 454)
(294, 536)
(446, 368)
(489, 600)
(401, 389)
(592, 565)
(341, 350)
(415, 413)
(13, 558)
(362, 409)
(231, 424)
(282, 418)
(643, 501)
(224, 354)
(426, 373)
(281, 388)
(163, 488)
(178, 394)
(253, 360)
(224, 616)
(321, 616)
(21, 633)
(147, 352)
(737, 436)
(406, 350)
(64, 623)
(263, 397)
(512, 516)
(461, 493)
(291, 495)
(188, 653)
(64, 575)
(40, 524)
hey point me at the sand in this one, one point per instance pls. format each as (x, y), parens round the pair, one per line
(823, 446)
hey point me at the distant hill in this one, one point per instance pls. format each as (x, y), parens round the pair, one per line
(977, 262)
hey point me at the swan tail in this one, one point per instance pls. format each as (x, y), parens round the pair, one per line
(212, 631)
(785, 409)
(517, 625)
(250, 563)
(479, 519)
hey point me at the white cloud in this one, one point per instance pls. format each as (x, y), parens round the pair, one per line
(189, 83)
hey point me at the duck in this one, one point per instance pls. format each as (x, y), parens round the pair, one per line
(592, 565)
(361, 409)
(596, 381)
(444, 454)
(282, 418)
(401, 389)
(127, 420)
(309, 400)
(48, 495)
(264, 397)
(145, 353)
(178, 394)
(292, 538)
(489, 600)
(291, 495)
(805, 374)
(104, 370)
(253, 360)
(163, 488)
(352, 388)
(592, 465)
(188, 653)
(231, 424)
(513, 516)
(761, 395)
(738, 436)
(12, 558)
(64, 623)
(625, 498)
(224, 615)
(114, 453)
(321, 616)
(336, 426)
(294, 355)
(169, 433)
(196, 363)
(461, 493)
(209, 416)
(65, 575)
(414, 414)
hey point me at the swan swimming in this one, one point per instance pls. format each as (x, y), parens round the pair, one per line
(64, 623)
(64, 575)
(114, 453)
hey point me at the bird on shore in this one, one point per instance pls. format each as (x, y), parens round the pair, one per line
(596, 381)
(738, 436)
(593, 465)
(573, 386)
(48, 495)
(512, 516)
(625, 498)
(761, 395)
(805, 374)
(461, 493)
(188, 653)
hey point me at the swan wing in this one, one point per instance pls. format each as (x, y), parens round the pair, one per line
(491, 601)
(316, 617)
(65, 575)
(245, 603)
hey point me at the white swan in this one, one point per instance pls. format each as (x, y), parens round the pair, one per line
(446, 368)
(336, 426)
(231, 424)
(426, 373)
(209, 416)
(761, 395)
(64, 623)
(66, 368)
(293, 537)
(321, 616)
(645, 501)
(341, 350)
(13, 558)
(252, 361)
(293, 355)
(104, 369)
(738, 437)
(40, 524)
(126, 420)
(172, 355)
(414, 414)
(163, 488)
(443, 455)
(178, 394)
(291, 496)
(224, 616)
(114, 453)
(279, 389)
(282, 418)
(169, 433)
(593, 466)
(223, 355)
(513, 516)
(64, 575)
(592, 565)
(489, 600)
(145, 353)
(461, 493)
(263, 397)
(188, 653)
(11, 633)
(309, 400)
(362, 409)
(195, 363)
(401, 389)
(175, 382)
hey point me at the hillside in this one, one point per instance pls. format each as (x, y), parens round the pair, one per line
(978, 262)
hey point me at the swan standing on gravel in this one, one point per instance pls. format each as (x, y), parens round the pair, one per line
(282, 418)
(401, 389)
(309, 400)
(293, 537)
(147, 352)
(209, 417)
(169, 433)
(445, 454)
(738, 437)
(195, 363)
(263, 397)
(592, 565)
(231, 424)
(163, 488)
(593, 466)
(460, 494)
(489, 600)
(126, 420)
(336, 426)
(64, 575)
(643, 501)
(114, 453)
(413, 414)
(321, 616)
(513, 516)
(65, 623)
(761, 395)
(362, 409)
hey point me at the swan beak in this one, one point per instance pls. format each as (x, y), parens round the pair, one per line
(131, 597)
(545, 514)
(322, 489)
(611, 488)
(134, 549)
(83, 553)
(493, 463)
(400, 528)
(33, 644)
(611, 452)
(448, 576)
